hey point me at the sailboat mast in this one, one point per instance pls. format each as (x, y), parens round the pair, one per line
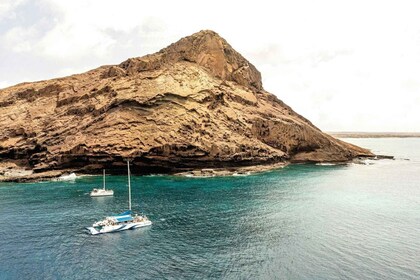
(104, 179)
(129, 186)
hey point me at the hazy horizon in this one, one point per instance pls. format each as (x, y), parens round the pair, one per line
(347, 67)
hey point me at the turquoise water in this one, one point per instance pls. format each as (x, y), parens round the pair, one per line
(299, 222)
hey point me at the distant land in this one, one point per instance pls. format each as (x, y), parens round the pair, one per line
(349, 134)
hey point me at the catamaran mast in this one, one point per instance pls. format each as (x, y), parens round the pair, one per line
(104, 179)
(129, 186)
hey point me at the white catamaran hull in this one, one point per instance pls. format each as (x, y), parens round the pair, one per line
(102, 193)
(120, 227)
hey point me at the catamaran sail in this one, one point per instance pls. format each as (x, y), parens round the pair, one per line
(103, 191)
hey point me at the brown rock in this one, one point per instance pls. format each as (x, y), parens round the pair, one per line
(196, 103)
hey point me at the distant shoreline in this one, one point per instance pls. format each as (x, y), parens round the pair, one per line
(19, 175)
(375, 134)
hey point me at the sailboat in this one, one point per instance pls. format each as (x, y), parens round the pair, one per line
(123, 221)
(103, 191)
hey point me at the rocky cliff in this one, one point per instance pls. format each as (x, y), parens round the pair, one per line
(197, 103)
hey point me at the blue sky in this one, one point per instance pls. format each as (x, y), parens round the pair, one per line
(345, 65)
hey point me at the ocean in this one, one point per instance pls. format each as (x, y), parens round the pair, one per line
(355, 221)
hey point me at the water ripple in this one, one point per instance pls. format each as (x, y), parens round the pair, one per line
(300, 222)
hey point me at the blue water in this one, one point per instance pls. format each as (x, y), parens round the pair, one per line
(300, 222)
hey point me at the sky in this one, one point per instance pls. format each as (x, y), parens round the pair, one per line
(344, 65)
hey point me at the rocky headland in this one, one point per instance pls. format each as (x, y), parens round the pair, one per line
(195, 104)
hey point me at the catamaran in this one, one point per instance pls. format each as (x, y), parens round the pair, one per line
(123, 221)
(103, 191)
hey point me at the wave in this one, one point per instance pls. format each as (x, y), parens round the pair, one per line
(69, 177)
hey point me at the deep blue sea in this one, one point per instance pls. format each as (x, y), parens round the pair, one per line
(300, 222)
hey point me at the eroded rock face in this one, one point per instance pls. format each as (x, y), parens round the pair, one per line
(206, 49)
(196, 103)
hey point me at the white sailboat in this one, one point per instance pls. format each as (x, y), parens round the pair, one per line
(123, 221)
(103, 191)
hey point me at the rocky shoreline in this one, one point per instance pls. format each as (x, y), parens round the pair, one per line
(13, 173)
(233, 171)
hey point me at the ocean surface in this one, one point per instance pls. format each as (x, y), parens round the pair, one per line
(300, 222)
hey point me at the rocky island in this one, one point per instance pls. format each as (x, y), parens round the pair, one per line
(196, 104)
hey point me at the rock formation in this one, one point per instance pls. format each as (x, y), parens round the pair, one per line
(197, 103)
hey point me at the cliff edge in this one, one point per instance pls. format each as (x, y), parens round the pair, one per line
(197, 103)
